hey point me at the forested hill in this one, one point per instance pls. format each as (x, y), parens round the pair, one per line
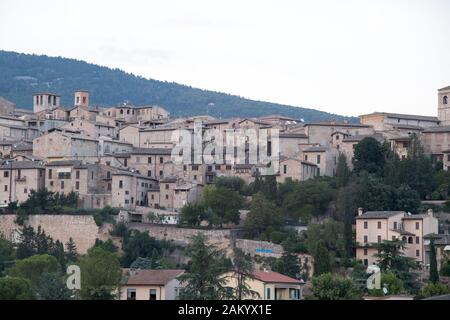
(21, 75)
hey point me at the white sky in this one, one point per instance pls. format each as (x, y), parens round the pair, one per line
(342, 56)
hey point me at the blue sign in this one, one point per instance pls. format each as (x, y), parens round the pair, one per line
(264, 250)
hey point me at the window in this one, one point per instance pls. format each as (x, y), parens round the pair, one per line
(379, 239)
(395, 225)
(337, 137)
(84, 99)
(108, 175)
(92, 175)
(153, 197)
(184, 167)
(268, 294)
(109, 186)
(417, 253)
(161, 160)
(195, 168)
(149, 160)
(160, 173)
(366, 262)
(149, 173)
(228, 167)
(366, 239)
(62, 184)
(77, 185)
(49, 173)
(120, 184)
(318, 159)
(131, 294)
(417, 226)
(77, 174)
(152, 295)
(366, 224)
(218, 167)
(445, 100)
(25, 190)
(365, 251)
(285, 169)
(410, 240)
(195, 177)
(417, 240)
(379, 224)
(306, 157)
(6, 187)
(125, 162)
(51, 183)
(167, 186)
(5, 174)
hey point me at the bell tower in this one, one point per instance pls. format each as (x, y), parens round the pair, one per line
(444, 106)
(81, 99)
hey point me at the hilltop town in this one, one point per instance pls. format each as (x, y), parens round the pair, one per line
(336, 198)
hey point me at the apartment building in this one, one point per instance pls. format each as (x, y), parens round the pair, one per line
(373, 227)
(92, 182)
(268, 285)
(130, 189)
(324, 157)
(161, 284)
(18, 179)
(174, 194)
(65, 145)
(296, 170)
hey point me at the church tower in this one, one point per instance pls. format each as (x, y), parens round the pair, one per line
(444, 106)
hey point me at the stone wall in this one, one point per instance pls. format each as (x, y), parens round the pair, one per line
(221, 238)
(82, 228)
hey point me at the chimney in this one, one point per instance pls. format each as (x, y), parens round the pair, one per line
(360, 211)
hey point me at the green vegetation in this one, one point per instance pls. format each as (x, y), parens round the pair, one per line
(101, 274)
(334, 287)
(12, 288)
(111, 87)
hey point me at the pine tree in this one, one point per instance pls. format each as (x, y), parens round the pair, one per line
(434, 275)
(342, 171)
(322, 263)
(204, 280)
(243, 268)
(71, 251)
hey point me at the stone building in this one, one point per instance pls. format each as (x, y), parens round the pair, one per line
(45, 101)
(373, 227)
(18, 178)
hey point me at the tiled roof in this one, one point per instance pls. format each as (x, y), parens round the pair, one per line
(65, 163)
(437, 129)
(152, 151)
(316, 149)
(403, 116)
(274, 277)
(22, 165)
(153, 277)
(379, 214)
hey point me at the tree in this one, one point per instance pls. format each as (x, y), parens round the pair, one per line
(192, 215)
(393, 284)
(53, 287)
(204, 278)
(234, 183)
(26, 247)
(6, 254)
(139, 244)
(141, 263)
(433, 289)
(308, 199)
(263, 218)
(368, 156)
(14, 288)
(342, 171)
(390, 257)
(33, 268)
(224, 204)
(322, 262)
(243, 269)
(107, 245)
(434, 275)
(71, 251)
(288, 264)
(101, 274)
(331, 233)
(334, 287)
(346, 209)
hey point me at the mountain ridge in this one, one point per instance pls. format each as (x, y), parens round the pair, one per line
(25, 74)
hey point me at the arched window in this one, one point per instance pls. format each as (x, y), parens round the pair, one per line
(445, 100)
(404, 239)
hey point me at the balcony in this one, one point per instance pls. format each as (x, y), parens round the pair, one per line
(20, 179)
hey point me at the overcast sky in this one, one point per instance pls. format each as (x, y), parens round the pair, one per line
(348, 56)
